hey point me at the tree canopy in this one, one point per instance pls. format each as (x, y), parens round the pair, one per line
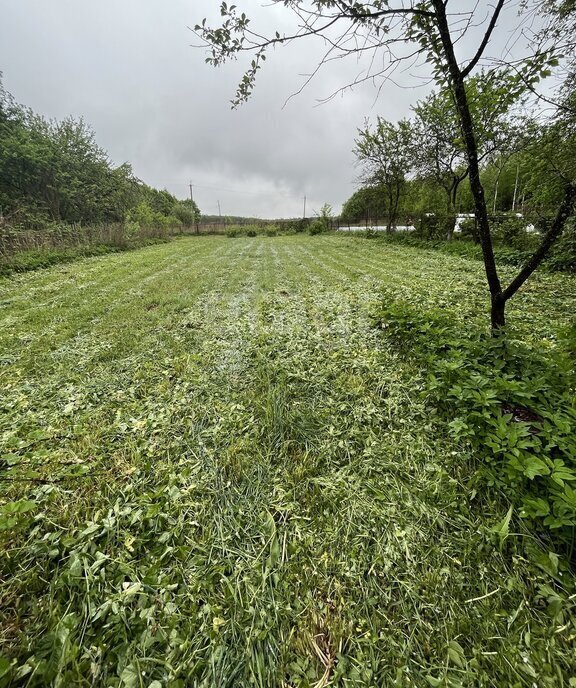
(54, 171)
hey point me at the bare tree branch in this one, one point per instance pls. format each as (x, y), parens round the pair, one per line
(482, 47)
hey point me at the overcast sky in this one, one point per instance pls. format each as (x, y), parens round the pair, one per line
(129, 69)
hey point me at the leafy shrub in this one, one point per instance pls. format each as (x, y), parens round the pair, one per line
(468, 228)
(564, 253)
(297, 226)
(514, 407)
(131, 229)
(569, 344)
(430, 227)
(143, 216)
(272, 231)
(316, 227)
(232, 232)
(511, 231)
(186, 216)
(251, 232)
(323, 223)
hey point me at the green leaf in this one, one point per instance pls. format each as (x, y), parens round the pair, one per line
(534, 507)
(502, 528)
(20, 507)
(534, 466)
(11, 512)
(5, 666)
(129, 677)
(562, 474)
(456, 654)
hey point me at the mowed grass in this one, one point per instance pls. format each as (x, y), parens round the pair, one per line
(225, 476)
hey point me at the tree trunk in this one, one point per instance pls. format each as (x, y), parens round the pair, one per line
(497, 313)
(467, 125)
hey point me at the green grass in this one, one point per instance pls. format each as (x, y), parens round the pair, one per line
(37, 259)
(217, 472)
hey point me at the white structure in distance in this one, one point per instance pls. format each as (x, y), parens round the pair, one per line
(411, 228)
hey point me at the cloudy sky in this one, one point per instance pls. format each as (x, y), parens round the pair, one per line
(129, 69)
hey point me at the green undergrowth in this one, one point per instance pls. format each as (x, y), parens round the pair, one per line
(561, 259)
(215, 471)
(514, 406)
(251, 231)
(26, 261)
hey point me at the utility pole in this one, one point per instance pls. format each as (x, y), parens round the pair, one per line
(304, 207)
(193, 211)
(219, 212)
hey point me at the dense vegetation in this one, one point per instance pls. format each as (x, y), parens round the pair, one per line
(416, 178)
(54, 176)
(254, 468)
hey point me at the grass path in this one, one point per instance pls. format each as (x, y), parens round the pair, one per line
(227, 478)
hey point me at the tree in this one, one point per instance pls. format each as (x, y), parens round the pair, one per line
(368, 204)
(52, 172)
(386, 153)
(434, 33)
(441, 150)
(441, 155)
(187, 212)
(323, 221)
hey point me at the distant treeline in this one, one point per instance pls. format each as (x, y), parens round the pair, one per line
(416, 171)
(53, 173)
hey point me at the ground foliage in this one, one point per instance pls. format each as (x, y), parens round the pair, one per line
(562, 258)
(217, 472)
(512, 404)
(29, 260)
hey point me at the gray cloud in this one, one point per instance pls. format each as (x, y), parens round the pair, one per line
(129, 70)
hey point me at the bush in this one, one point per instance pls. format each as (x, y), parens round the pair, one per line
(131, 229)
(143, 217)
(316, 227)
(232, 232)
(272, 231)
(468, 228)
(430, 227)
(510, 231)
(564, 252)
(251, 232)
(297, 226)
(514, 407)
(185, 215)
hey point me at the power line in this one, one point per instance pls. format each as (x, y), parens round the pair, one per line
(263, 192)
(266, 192)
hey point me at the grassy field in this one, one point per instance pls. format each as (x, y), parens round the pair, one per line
(217, 472)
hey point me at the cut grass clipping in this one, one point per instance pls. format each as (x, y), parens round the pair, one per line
(217, 472)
